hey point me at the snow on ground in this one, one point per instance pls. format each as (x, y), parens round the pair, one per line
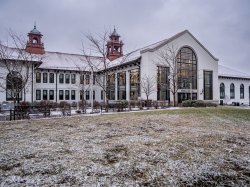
(195, 147)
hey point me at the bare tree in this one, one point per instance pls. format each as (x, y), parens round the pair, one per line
(168, 57)
(96, 57)
(16, 67)
(148, 86)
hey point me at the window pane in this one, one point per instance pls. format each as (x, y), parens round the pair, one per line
(51, 78)
(45, 77)
(38, 77)
(66, 94)
(51, 95)
(67, 76)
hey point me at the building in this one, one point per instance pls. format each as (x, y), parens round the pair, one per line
(69, 77)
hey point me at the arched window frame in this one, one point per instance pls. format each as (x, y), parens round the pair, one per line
(183, 72)
(14, 86)
(232, 91)
(242, 91)
(222, 90)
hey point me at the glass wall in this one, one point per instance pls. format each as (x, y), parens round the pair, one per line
(208, 85)
(121, 85)
(163, 92)
(187, 69)
(111, 86)
(134, 84)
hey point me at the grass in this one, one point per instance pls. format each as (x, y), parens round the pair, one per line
(183, 147)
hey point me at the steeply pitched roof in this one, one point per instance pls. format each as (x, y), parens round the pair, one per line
(152, 47)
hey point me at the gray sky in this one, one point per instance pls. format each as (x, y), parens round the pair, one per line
(222, 26)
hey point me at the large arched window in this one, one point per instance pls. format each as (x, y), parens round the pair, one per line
(242, 91)
(232, 92)
(14, 86)
(222, 91)
(187, 68)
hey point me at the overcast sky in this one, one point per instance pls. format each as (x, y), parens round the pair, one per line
(222, 26)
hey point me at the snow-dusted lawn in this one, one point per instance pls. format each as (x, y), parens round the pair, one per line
(200, 147)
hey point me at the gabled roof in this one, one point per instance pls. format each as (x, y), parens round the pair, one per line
(224, 71)
(136, 54)
(158, 45)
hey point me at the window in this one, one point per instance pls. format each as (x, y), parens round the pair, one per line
(242, 91)
(134, 84)
(61, 78)
(67, 76)
(232, 93)
(93, 94)
(121, 85)
(81, 95)
(208, 85)
(102, 94)
(111, 86)
(51, 95)
(87, 77)
(66, 94)
(45, 95)
(60, 94)
(163, 92)
(51, 78)
(187, 69)
(38, 77)
(73, 94)
(73, 78)
(222, 91)
(94, 78)
(45, 77)
(14, 86)
(81, 79)
(38, 94)
(87, 95)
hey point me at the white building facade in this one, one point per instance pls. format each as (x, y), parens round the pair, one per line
(67, 77)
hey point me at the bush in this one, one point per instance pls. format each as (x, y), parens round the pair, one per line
(188, 103)
(64, 104)
(197, 103)
(24, 105)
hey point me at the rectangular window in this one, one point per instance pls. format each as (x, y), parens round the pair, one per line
(81, 95)
(111, 86)
(73, 94)
(67, 76)
(93, 95)
(51, 95)
(38, 94)
(163, 92)
(38, 77)
(60, 94)
(121, 85)
(81, 79)
(102, 94)
(87, 77)
(45, 77)
(51, 78)
(208, 85)
(66, 94)
(134, 84)
(87, 95)
(94, 78)
(73, 78)
(45, 95)
(61, 78)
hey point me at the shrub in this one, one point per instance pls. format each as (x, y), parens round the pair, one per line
(64, 104)
(24, 105)
(188, 103)
(199, 103)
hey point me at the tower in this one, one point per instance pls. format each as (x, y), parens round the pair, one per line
(114, 46)
(34, 44)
